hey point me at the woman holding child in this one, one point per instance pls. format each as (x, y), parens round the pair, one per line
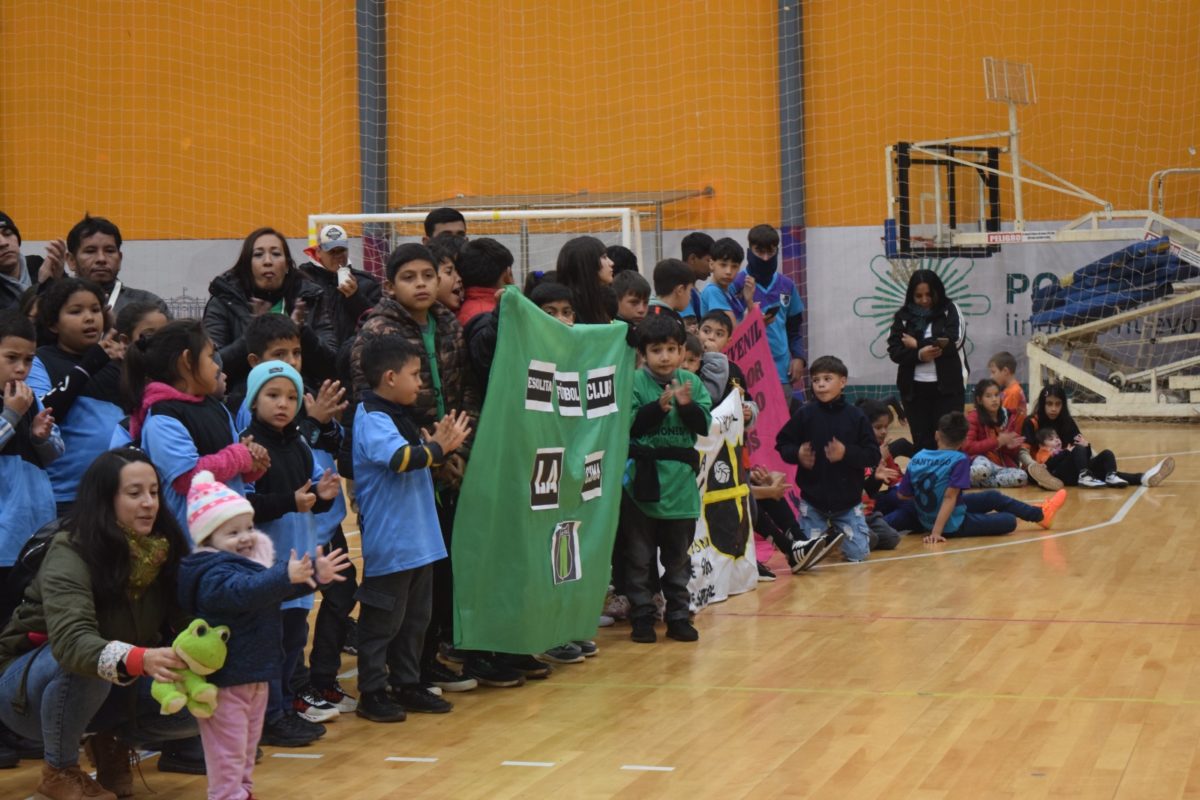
(924, 340)
(81, 651)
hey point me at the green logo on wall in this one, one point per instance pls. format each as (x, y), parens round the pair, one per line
(889, 289)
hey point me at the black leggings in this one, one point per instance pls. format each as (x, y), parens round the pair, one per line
(1068, 465)
(924, 407)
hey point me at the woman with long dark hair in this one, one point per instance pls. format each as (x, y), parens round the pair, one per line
(585, 268)
(926, 333)
(81, 650)
(265, 280)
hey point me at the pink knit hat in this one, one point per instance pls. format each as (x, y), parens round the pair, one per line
(210, 504)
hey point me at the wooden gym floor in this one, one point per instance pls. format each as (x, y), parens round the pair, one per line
(1042, 664)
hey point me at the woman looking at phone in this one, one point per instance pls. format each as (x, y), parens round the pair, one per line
(926, 334)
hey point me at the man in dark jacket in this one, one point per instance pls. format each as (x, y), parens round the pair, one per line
(346, 293)
(94, 254)
(19, 271)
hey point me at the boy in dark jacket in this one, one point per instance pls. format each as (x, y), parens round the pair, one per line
(833, 444)
(294, 485)
(233, 579)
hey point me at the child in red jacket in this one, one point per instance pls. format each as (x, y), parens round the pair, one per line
(993, 442)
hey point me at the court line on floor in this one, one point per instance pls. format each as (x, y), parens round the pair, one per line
(527, 763)
(412, 759)
(907, 693)
(1160, 455)
(1115, 519)
(920, 618)
(646, 768)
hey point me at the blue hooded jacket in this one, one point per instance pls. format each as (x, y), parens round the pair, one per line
(225, 588)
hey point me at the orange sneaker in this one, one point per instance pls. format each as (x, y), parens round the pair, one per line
(1051, 507)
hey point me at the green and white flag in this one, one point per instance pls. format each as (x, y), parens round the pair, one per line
(534, 530)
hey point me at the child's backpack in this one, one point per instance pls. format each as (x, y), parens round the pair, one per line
(28, 562)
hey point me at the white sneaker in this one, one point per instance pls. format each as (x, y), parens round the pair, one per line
(311, 706)
(1159, 472)
(1090, 481)
(1113, 479)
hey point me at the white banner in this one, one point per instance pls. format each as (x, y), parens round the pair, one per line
(723, 551)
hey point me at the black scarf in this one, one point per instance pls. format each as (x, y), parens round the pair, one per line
(763, 271)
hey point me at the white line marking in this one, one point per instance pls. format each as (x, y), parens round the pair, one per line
(350, 673)
(645, 768)
(1116, 519)
(298, 755)
(1162, 455)
(527, 763)
(412, 759)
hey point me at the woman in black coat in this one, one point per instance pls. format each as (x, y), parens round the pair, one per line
(264, 280)
(926, 333)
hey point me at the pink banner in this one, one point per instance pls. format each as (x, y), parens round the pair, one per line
(748, 349)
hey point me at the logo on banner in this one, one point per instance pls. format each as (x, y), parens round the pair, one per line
(543, 486)
(564, 552)
(570, 401)
(539, 387)
(601, 392)
(592, 474)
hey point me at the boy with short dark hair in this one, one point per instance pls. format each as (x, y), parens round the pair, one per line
(673, 282)
(660, 502)
(696, 252)
(833, 444)
(556, 300)
(936, 479)
(392, 462)
(485, 267)
(777, 296)
(29, 440)
(727, 257)
(633, 296)
(623, 259)
(444, 222)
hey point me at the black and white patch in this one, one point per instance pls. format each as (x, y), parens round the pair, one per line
(544, 482)
(601, 392)
(570, 400)
(593, 473)
(539, 387)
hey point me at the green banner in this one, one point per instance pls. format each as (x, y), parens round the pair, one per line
(533, 535)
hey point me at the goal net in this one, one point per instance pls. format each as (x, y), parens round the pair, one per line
(534, 236)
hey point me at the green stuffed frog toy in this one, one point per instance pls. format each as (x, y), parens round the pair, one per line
(202, 648)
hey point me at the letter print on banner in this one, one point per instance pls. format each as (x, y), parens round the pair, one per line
(543, 485)
(592, 473)
(564, 552)
(601, 392)
(570, 402)
(539, 387)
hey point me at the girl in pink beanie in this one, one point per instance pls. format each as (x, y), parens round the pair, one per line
(232, 579)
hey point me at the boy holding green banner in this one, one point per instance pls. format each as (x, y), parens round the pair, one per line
(660, 501)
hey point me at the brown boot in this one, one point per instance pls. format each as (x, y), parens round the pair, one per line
(111, 758)
(69, 783)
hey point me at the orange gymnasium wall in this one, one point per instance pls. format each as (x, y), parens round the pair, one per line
(178, 119)
(1116, 82)
(187, 120)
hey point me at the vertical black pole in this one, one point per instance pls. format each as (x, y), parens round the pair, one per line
(371, 24)
(793, 255)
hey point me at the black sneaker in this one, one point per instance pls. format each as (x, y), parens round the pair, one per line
(563, 654)
(490, 673)
(291, 731)
(25, 748)
(643, 630)
(528, 666)
(587, 647)
(446, 679)
(184, 756)
(681, 630)
(350, 646)
(765, 573)
(415, 699)
(378, 706)
(452, 654)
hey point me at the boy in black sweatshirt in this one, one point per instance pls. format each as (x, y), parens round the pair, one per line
(833, 444)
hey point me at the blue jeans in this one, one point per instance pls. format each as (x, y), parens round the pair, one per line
(851, 522)
(987, 514)
(61, 706)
